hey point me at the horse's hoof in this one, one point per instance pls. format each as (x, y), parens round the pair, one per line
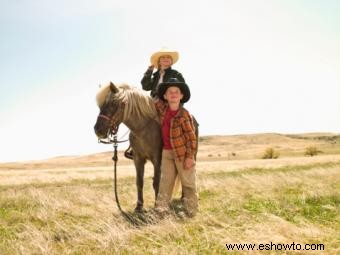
(139, 209)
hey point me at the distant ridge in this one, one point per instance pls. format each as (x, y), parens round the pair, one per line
(243, 146)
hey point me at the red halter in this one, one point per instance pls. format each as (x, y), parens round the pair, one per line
(114, 121)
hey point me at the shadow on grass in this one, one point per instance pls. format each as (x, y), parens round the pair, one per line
(151, 216)
(140, 219)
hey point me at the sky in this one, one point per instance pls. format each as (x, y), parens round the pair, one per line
(253, 66)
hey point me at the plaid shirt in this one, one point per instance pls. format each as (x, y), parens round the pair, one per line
(182, 131)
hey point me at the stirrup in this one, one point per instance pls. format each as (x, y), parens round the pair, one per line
(128, 153)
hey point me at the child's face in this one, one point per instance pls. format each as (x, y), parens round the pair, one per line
(173, 95)
(165, 61)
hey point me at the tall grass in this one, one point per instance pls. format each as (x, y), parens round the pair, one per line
(253, 205)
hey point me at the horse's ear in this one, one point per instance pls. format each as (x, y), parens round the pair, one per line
(113, 88)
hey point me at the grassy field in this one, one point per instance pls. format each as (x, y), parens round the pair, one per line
(67, 206)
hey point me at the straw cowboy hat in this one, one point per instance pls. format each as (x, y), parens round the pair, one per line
(174, 82)
(162, 52)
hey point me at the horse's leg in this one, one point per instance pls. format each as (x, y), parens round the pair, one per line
(139, 164)
(156, 176)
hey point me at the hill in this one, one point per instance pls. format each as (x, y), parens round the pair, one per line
(232, 147)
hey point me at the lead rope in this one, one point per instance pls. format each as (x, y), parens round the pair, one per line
(128, 216)
(140, 219)
(115, 160)
(112, 139)
(115, 142)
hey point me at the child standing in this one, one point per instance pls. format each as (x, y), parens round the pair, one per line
(179, 146)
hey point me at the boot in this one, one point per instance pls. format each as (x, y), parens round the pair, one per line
(128, 153)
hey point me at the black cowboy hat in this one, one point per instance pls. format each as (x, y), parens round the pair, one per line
(174, 82)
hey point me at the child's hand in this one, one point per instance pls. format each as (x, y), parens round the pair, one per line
(189, 163)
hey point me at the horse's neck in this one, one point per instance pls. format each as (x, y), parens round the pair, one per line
(136, 124)
(139, 113)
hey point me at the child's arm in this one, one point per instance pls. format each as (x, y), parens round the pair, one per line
(190, 137)
(147, 80)
(158, 103)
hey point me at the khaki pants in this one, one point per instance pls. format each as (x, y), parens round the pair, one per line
(169, 170)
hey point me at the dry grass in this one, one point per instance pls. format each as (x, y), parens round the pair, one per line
(71, 210)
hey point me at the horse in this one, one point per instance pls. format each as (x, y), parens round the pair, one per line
(136, 109)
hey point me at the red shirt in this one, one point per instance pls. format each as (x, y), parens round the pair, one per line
(182, 131)
(166, 128)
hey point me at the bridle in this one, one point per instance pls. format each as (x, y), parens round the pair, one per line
(114, 123)
(113, 129)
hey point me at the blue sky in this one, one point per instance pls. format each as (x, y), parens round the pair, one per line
(252, 66)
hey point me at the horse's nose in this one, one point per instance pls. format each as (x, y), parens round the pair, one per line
(98, 131)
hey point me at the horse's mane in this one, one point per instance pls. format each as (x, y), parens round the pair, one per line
(102, 94)
(136, 102)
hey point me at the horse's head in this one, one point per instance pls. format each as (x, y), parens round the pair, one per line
(111, 111)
